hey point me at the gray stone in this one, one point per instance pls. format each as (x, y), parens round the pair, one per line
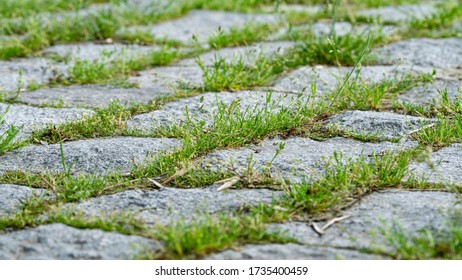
(205, 106)
(290, 251)
(98, 52)
(28, 119)
(167, 78)
(412, 211)
(440, 53)
(87, 156)
(22, 72)
(429, 94)
(202, 24)
(247, 53)
(60, 242)
(13, 196)
(171, 204)
(92, 96)
(381, 124)
(447, 166)
(300, 159)
(328, 79)
(400, 13)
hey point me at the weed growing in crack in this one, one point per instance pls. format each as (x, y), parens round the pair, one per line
(7, 137)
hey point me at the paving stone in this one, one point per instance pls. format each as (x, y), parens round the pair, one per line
(98, 52)
(328, 78)
(202, 24)
(28, 119)
(411, 210)
(448, 166)
(96, 156)
(400, 13)
(285, 8)
(171, 204)
(13, 196)
(167, 78)
(300, 159)
(248, 53)
(93, 96)
(440, 53)
(30, 70)
(58, 241)
(382, 124)
(429, 94)
(205, 106)
(289, 251)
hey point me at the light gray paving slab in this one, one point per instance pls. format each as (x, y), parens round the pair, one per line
(290, 251)
(431, 93)
(167, 78)
(447, 167)
(384, 125)
(438, 53)
(412, 211)
(169, 205)
(92, 96)
(301, 158)
(202, 24)
(96, 156)
(29, 119)
(205, 106)
(400, 13)
(61, 242)
(12, 197)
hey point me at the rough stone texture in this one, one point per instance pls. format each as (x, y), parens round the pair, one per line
(168, 78)
(34, 70)
(203, 107)
(382, 124)
(247, 53)
(300, 158)
(92, 96)
(400, 13)
(429, 94)
(290, 251)
(328, 78)
(27, 119)
(171, 204)
(411, 210)
(202, 24)
(87, 156)
(98, 52)
(13, 196)
(439, 53)
(57, 241)
(448, 166)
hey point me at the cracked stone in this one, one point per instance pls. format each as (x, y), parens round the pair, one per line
(29, 119)
(385, 125)
(411, 210)
(93, 96)
(171, 204)
(96, 156)
(300, 159)
(61, 242)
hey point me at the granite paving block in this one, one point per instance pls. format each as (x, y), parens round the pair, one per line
(169, 205)
(12, 197)
(384, 125)
(61, 242)
(202, 24)
(431, 93)
(290, 251)
(410, 210)
(29, 119)
(97, 156)
(167, 78)
(447, 166)
(205, 106)
(438, 53)
(300, 159)
(400, 13)
(92, 96)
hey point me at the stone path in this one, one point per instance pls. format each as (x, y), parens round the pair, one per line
(140, 161)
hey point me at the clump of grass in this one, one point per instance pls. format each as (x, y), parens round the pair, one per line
(241, 36)
(7, 137)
